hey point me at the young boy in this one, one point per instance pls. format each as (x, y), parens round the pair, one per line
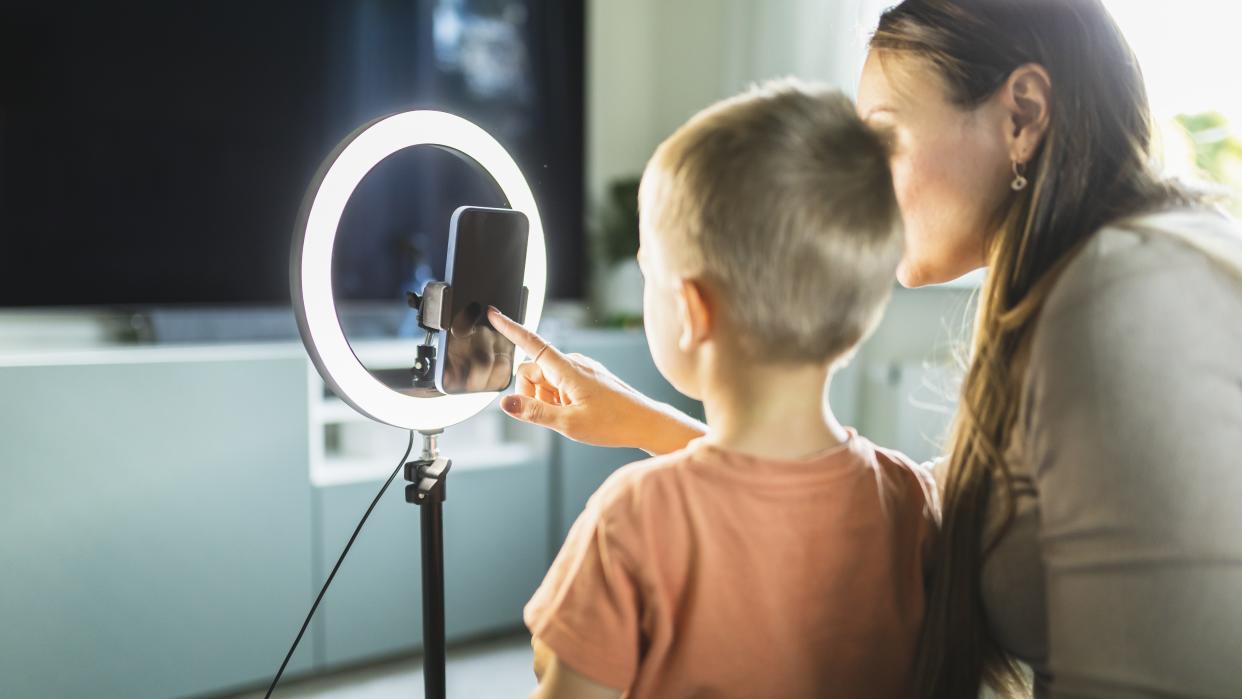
(781, 555)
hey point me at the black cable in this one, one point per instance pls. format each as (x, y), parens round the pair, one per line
(331, 575)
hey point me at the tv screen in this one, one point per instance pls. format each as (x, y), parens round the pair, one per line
(156, 153)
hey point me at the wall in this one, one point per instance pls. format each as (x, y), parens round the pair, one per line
(654, 63)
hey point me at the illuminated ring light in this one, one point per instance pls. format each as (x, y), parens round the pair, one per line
(311, 268)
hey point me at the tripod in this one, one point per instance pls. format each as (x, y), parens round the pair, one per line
(427, 476)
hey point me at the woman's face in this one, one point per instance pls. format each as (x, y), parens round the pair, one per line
(951, 166)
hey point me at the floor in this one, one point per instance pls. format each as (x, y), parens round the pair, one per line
(488, 669)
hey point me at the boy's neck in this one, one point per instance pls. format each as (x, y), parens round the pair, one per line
(770, 410)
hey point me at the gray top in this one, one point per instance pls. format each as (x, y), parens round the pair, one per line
(1122, 575)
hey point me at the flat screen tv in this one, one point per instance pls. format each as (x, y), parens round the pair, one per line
(155, 153)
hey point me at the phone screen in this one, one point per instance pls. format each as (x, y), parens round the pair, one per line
(486, 265)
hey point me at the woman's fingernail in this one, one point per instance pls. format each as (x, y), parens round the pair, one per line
(511, 405)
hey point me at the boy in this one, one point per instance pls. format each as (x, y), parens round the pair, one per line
(781, 555)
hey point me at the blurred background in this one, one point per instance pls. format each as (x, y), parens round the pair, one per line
(178, 480)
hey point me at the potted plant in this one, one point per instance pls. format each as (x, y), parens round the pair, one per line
(619, 287)
(1214, 151)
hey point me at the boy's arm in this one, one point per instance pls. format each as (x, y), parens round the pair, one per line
(585, 618)
(559, 681)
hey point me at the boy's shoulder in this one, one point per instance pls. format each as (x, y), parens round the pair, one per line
(662, 481)
(918, 477)
(639, 484)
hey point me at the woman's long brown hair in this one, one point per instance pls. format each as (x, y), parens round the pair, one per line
(1093, 167)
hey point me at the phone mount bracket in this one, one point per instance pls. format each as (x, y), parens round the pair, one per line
(436, 303)
(433, 307)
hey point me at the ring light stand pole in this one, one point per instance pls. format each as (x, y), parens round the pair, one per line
(427, 477)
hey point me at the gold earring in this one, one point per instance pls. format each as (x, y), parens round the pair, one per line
(1019, 177)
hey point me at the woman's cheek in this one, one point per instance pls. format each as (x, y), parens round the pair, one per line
(907, 189)
(903, 188)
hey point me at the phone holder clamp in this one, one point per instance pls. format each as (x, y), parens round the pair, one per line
(433, 305)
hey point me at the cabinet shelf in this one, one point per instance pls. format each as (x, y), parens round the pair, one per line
(345, 469)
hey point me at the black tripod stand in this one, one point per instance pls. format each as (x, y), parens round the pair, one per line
(427, 478)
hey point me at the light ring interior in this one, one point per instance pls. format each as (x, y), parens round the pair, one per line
(311, 269)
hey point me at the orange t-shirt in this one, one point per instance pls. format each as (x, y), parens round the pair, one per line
(707, 573)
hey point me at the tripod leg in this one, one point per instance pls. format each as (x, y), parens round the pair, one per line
(433, 598)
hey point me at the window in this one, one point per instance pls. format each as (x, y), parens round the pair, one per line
(1190, 52)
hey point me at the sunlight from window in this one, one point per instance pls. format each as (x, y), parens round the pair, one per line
(1190, 52)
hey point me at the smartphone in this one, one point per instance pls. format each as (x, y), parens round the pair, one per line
(486, 265)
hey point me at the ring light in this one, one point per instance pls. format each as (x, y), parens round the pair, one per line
(311, 271)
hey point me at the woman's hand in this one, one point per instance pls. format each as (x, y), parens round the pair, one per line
(475, 358)
(579, 398)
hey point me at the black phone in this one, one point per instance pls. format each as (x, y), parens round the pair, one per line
(486, 265)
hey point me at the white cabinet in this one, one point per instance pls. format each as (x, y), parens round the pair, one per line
(168, 513)
(154, 520)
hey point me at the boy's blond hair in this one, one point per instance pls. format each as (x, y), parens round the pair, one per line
(782, 198)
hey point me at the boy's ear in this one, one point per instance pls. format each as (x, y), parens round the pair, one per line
(695, 312)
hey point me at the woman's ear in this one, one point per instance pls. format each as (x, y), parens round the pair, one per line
(694, 312)
(1027, 96)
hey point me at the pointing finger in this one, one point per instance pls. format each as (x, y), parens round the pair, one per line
(548, 357)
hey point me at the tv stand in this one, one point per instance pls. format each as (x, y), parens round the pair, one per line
(224, 324)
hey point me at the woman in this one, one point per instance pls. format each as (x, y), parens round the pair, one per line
(1090, 526)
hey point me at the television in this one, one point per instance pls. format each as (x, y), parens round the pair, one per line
(154, 154)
